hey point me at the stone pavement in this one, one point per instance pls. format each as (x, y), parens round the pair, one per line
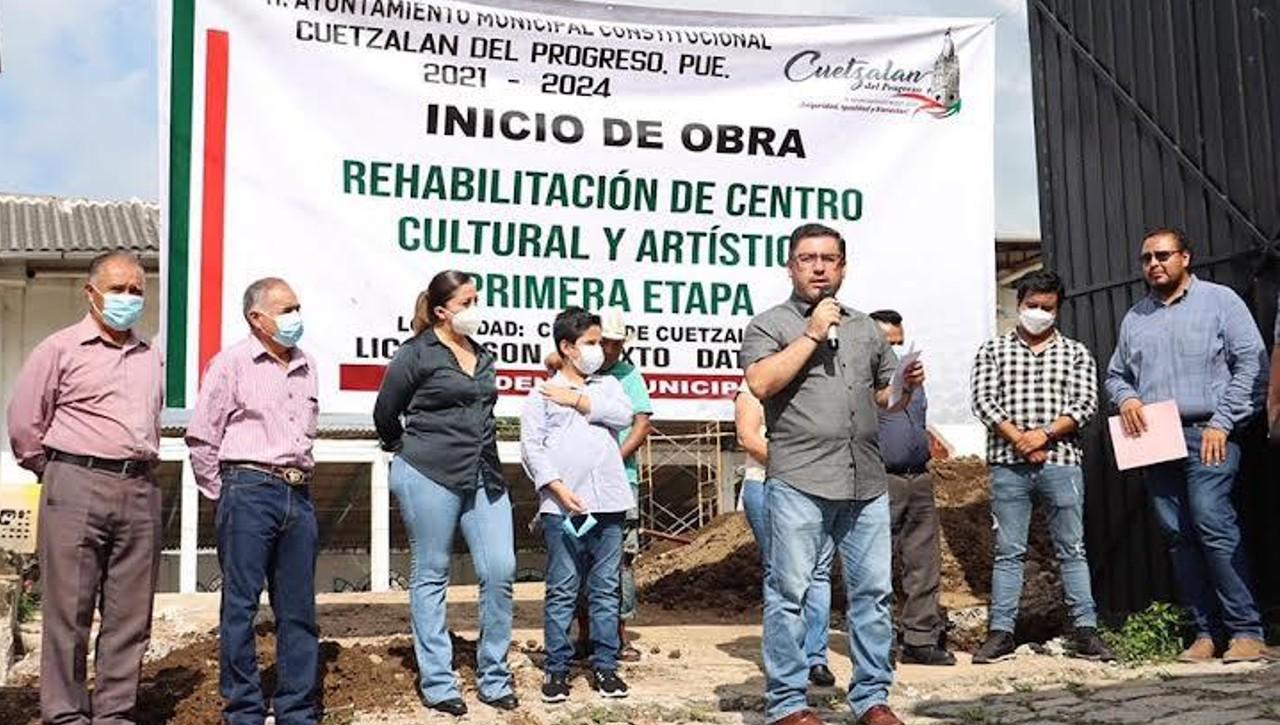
(1239, 694)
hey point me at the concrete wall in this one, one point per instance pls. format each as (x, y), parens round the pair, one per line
(1006, 309)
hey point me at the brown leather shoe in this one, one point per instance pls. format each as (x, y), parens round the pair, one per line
(1243, 649)
(879, 715)
(1201, 650)
(799, 717)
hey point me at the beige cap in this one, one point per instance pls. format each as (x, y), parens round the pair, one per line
(612, 326)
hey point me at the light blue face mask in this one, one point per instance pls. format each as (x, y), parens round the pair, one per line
(577, 532)
(120, 311)
(288, 328)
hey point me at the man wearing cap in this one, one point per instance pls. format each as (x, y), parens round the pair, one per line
(85, 418)
(250, 437)
(613, 338)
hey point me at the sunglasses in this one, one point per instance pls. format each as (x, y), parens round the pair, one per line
(1161, 256)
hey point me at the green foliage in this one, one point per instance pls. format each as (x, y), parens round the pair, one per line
(28, 606)
(1152, 635)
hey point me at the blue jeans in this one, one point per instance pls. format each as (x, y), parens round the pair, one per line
(817, 601)
(596, 558)
(798, 525)
(1192, 504)
(267, 531)
(1061, 490)
(630, 550)
(432, 515)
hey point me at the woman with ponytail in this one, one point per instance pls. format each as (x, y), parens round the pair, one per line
(435, 411)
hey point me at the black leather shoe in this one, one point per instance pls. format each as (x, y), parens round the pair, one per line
(455, 707)
(821, 676)
(929, 654)
(508, 701)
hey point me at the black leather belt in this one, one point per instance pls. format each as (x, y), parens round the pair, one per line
(121, 467)
(288, 474)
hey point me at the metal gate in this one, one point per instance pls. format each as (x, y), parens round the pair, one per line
(1158, 112)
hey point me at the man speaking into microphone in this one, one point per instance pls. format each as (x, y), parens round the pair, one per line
(822, 371)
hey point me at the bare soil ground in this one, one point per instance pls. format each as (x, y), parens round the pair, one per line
(698, 629)
(698, 666)
(720, 570)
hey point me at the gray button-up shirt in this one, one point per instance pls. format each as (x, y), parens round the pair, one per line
(823, 426)
(559, 443)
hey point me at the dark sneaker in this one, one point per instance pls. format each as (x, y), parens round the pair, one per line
(999, 646)
(821, 676)
(555, 687)
(608, 684)
(507, 702)
(1087, 645)
(929, 654)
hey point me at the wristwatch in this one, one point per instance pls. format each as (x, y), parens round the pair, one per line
(1048, 432)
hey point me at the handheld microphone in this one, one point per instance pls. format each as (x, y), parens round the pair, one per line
(833, 332)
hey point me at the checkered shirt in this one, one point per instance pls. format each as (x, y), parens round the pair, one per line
(1011, 383)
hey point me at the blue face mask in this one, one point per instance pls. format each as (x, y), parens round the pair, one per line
(578, 532)
(120, 311)
(288, 328)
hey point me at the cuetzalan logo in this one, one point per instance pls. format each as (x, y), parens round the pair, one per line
(884, 87)
(943, 99)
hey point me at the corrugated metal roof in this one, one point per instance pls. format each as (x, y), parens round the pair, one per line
(35, 227)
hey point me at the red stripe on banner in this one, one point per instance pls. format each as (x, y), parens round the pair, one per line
(214, 194)
(360, 377)
(662, 386)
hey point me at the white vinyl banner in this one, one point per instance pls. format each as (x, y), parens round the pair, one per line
(651, 161)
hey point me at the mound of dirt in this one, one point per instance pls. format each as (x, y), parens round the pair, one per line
(720, 570)
(182, 687)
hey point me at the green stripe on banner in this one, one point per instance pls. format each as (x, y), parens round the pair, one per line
(180, 80)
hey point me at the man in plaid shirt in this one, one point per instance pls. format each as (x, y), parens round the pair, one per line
(1034, 389)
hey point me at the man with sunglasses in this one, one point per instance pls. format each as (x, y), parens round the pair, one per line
(1196, 343)
(822, 371)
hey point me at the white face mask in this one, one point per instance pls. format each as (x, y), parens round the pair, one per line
(1035, 320)
(466, 322)
(591, 358)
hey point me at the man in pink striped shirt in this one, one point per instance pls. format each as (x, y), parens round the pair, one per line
(85, 418)
(250, 438)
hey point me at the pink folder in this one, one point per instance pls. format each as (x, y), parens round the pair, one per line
(1162, 441)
